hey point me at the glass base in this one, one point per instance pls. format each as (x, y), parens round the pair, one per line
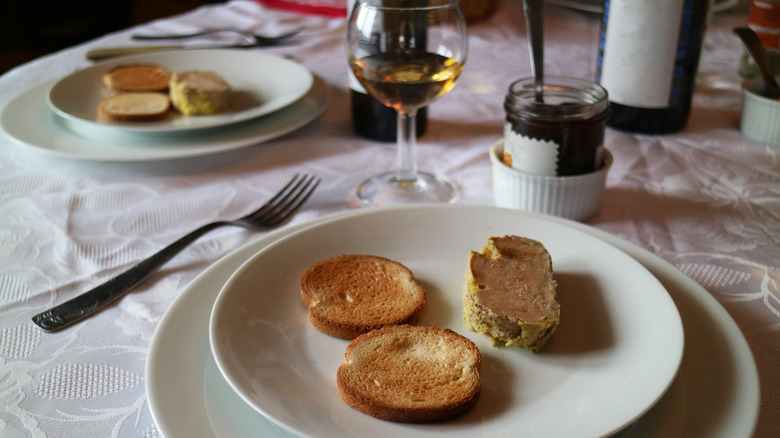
(388, 189)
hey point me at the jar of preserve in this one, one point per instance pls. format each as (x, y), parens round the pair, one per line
(561, 135)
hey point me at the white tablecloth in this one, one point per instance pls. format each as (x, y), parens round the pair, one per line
(706, 199)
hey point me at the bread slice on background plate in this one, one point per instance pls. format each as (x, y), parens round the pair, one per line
(136, 77)
(410, 374)
(349, 295)
(510, 292)
(134, 107)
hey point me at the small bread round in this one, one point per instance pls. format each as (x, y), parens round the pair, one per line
(134, 107)
(137, 77)
(349, 295)
(410, 374)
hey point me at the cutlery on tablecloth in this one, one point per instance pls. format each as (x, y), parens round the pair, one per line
(255, 41)
(251, 37)
(535, 32)
(286, 202)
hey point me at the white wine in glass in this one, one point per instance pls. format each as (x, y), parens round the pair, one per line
(407, 54)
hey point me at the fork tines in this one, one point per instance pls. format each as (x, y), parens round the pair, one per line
(288, 200)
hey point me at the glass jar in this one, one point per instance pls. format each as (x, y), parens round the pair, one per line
(560, 136)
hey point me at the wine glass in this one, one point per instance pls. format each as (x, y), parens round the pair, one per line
(407, 54)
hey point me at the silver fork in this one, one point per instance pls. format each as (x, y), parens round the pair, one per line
(289, 199)
(252, 41)
(249, 36)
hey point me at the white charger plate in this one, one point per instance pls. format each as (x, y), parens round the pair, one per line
(715, 394)
(28, 122)
(261, 84)
(615, 353)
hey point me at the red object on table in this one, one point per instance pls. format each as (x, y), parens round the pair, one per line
(764, 19)
(326, 8)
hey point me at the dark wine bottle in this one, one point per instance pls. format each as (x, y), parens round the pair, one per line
(648, 59)
(371, 119)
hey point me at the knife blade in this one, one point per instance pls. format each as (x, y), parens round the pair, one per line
(113, 52)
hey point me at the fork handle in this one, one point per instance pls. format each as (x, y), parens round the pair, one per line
(96, 299)
(167, 37)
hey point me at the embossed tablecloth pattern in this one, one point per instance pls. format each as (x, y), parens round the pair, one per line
(705, 199)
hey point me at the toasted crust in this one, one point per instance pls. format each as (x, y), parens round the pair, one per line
(134, 107)
(136, 77)
(410, 374)
(510, 293)
(349, 295)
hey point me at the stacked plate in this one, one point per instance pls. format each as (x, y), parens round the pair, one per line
(642, 350)
(271, 96)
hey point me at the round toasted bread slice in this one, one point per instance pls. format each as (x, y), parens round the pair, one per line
(134, 107)
(137, 77)
(349, 295)
(410, 374)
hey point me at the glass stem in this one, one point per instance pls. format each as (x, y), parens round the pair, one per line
(406, 167)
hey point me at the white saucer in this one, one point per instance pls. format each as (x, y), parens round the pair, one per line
(715, 394)
(28, 122)
(260, 84)
(615, 353)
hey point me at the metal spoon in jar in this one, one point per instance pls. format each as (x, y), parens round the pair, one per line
(535, 31)
(756, 50)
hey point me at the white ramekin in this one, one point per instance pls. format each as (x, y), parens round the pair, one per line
(760, 115)
(572, 197)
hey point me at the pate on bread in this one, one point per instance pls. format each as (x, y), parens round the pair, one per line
(510, 293)
(199, 92)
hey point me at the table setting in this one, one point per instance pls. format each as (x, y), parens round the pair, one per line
(665, 250)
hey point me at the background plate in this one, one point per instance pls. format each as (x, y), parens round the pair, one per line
(261, 84)
(28, 122)
(616, 351)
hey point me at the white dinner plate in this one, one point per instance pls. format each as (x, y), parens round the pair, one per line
(715, 394)
(613, 356)
(28, 122)
(260, 84)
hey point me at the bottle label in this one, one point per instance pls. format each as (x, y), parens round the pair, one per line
(638, 51)
(529, 155)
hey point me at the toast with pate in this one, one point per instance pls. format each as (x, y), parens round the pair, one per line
(199, 92)
(510, 293)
